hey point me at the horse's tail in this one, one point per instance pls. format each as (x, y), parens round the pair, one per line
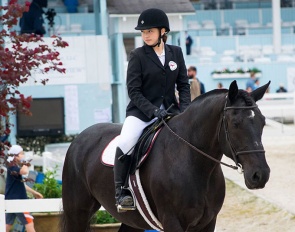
(62, 223)
(68, 223)
(78, 203)
(65, 224)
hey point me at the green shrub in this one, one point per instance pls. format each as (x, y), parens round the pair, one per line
(50, 188)
(103, 217)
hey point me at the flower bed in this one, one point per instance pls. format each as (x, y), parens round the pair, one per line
(235, 73)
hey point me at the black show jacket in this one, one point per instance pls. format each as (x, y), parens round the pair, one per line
(150, 84)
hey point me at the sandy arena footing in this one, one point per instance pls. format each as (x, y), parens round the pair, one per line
(279, 144)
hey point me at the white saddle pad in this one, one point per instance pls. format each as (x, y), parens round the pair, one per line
(108, 155)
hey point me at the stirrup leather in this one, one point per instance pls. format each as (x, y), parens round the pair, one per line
(122, 208)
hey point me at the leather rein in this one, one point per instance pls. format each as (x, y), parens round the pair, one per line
(225, 123)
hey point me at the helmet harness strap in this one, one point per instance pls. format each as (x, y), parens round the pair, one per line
(159, 39)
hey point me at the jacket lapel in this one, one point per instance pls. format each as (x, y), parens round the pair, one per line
(153, 56)
(168, 55)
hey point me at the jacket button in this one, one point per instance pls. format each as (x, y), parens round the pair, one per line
(164, 73)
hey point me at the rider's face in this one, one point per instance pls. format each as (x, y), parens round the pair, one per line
(150, 36)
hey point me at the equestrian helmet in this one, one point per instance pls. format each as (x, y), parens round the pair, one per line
(153, 18)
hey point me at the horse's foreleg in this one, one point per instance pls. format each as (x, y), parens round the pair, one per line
(172, 225)
(208, 228)
(125, 228)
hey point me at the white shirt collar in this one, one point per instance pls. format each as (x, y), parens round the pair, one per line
(162, 57)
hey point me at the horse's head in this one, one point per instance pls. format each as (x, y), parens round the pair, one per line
(242, 127)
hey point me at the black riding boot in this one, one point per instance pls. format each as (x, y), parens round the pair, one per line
(123, 197)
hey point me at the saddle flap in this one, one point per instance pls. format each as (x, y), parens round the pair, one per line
(141, 149)
(140, 154)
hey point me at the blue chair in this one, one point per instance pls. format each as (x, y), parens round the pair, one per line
(40, 177)
(71, 6)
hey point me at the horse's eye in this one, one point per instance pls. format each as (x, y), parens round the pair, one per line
(236, 123)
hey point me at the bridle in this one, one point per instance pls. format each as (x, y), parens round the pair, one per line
(234, 152)
(224, 121)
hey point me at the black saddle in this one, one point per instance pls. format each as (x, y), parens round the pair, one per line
(144, 142)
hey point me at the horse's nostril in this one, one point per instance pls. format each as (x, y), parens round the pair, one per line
(256, 177)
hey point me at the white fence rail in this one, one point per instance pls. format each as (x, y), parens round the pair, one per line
(278, 105)
(30, 205)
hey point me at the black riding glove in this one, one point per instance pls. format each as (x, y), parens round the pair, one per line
(160, 113)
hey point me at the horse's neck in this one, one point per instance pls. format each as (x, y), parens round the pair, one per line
(203, 116)
(200, 124)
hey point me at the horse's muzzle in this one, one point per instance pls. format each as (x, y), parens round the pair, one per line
(256, 179)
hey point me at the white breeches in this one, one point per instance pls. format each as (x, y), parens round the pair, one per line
(130, 133)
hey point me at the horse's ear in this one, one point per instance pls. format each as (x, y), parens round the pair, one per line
(258, 93)
(233, 91)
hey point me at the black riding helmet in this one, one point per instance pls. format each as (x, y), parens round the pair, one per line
(153, 18)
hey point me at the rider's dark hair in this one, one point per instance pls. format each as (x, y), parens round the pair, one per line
(164, 38)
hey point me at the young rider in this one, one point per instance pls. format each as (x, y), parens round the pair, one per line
(154, 70)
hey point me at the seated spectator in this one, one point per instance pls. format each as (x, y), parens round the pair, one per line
(281, 89)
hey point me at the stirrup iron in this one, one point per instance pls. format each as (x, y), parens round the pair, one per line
(122, 209)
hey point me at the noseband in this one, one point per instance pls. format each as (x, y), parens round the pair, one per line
(225, 123)
(234, 152)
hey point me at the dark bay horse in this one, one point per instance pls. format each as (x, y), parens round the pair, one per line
(184, 187)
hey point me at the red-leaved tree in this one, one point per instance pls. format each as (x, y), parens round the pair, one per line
(20, 56)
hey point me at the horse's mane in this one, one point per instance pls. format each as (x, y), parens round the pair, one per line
(204, 100)
(211, 93)
(216, 92)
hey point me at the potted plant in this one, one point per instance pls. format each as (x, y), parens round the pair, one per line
(50, 188)
(102, 221)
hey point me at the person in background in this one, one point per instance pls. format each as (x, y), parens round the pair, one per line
(219, 85)
(194, 84)
(249, 89)
(250, 84)
(281, 89)
(32, 21)
(256, 83)
(192, 75)
(152, 74)
(188, 43)
(16, 189)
